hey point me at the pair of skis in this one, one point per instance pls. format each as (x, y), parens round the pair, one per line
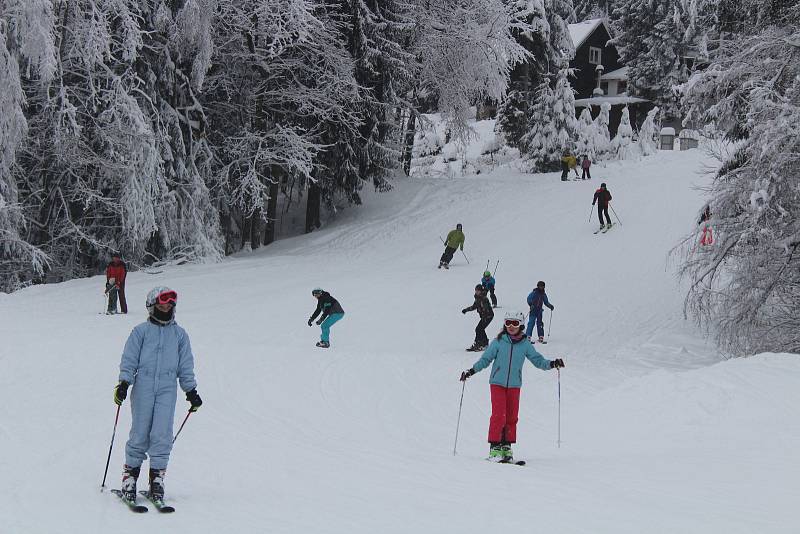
(139, 508)
(604, 229)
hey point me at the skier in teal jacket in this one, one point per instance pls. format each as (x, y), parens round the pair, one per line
(507, 354)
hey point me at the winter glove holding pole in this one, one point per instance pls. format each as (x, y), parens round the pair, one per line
(194, 400)
(466, 374)
(120, 392)
(557, 363)
(464, 311)
(310, 321)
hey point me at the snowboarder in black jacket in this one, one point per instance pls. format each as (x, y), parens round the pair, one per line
(484, 308)
(331, 312)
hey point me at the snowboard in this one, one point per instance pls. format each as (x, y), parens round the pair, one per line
(512, 462)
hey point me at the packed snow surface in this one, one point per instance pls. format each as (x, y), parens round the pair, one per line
(659, 433)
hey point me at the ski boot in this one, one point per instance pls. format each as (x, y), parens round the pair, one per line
(496, 453)
(129, 477)
(157, 484)
(476, 348)
(446, 265)
(441, 263)
(323, 344)
(506, 453)
(541, 339)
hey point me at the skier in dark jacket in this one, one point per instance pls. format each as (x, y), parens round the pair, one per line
(507, 354)
(331, 312)
(602, 197)
(536, 299)
(486, 314)
(156, 356)
(488, 284)
(116, 272)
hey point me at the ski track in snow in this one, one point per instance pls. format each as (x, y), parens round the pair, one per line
(659, 432)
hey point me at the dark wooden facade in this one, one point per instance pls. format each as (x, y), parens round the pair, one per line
(585, 79)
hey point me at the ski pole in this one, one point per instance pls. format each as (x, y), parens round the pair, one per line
(487, 265)
(465, 256)
(458, 424)
(550, 325)
(495, 267)
(108, 460)
(181, 428)
(558, 373)
(590, 212)
(615, 214)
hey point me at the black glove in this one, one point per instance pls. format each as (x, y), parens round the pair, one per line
(555, 364)
(309, 322)
(194, 400)
(320, 320)
(552, 307)
(466, 374)
(121, 392)
(464, 310)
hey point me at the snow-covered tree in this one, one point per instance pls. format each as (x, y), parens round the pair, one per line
(603, 147)
(654, 37)
(622, 143)
(649, 133)
(744, 288)
(587, 135)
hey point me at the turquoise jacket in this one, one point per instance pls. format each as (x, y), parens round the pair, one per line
(507, 357)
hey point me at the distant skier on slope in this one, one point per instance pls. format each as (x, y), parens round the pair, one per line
(586, 164)
(488, 283)
(156, 354)
(484, 309)
(507, 354)
(536, 299)
(602, 197)
(331, 312)
(454, 240)
(116, 272)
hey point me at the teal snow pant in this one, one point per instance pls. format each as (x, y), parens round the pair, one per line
(326, 326)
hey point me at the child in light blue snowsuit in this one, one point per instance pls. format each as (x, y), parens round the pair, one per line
(536, 299)
(156, 355)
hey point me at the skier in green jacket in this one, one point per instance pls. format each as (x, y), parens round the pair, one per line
(455, 239)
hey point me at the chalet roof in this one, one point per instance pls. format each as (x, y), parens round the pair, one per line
(617, 100)
(619, 74)
(581, 31)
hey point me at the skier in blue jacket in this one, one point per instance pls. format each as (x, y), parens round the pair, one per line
(488, 284)
(536, 299)
(156, 354)
(507, 353)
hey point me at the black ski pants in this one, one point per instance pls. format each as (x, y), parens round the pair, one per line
(601, 209)
(480, 331)
(493, 297)
(447, 257)
(586, 174)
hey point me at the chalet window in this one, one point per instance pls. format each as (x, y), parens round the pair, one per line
(595, 55)
(622, 87)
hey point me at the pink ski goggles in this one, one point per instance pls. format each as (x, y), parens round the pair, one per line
(167, 297)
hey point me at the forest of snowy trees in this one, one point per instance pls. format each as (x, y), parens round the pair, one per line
(169, 129)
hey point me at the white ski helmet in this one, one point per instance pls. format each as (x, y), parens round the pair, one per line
(162, 294)
(515, 316)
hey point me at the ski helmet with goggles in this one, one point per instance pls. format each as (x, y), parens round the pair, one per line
(161, 295)
(540, 284)
(487, 274)
(515, 319)
(317, 291)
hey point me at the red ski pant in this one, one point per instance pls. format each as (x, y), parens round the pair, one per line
(505, 414)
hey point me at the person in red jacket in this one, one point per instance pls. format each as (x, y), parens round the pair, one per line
(602, 197)
(116, 271)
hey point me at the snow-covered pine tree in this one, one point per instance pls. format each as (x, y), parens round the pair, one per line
(587, 135)
(654, 37)
(553, 127)
(744, 287)
(648, 133)
(602, 145)
(623, 144)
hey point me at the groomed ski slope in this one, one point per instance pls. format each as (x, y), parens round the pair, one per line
(660, 434)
